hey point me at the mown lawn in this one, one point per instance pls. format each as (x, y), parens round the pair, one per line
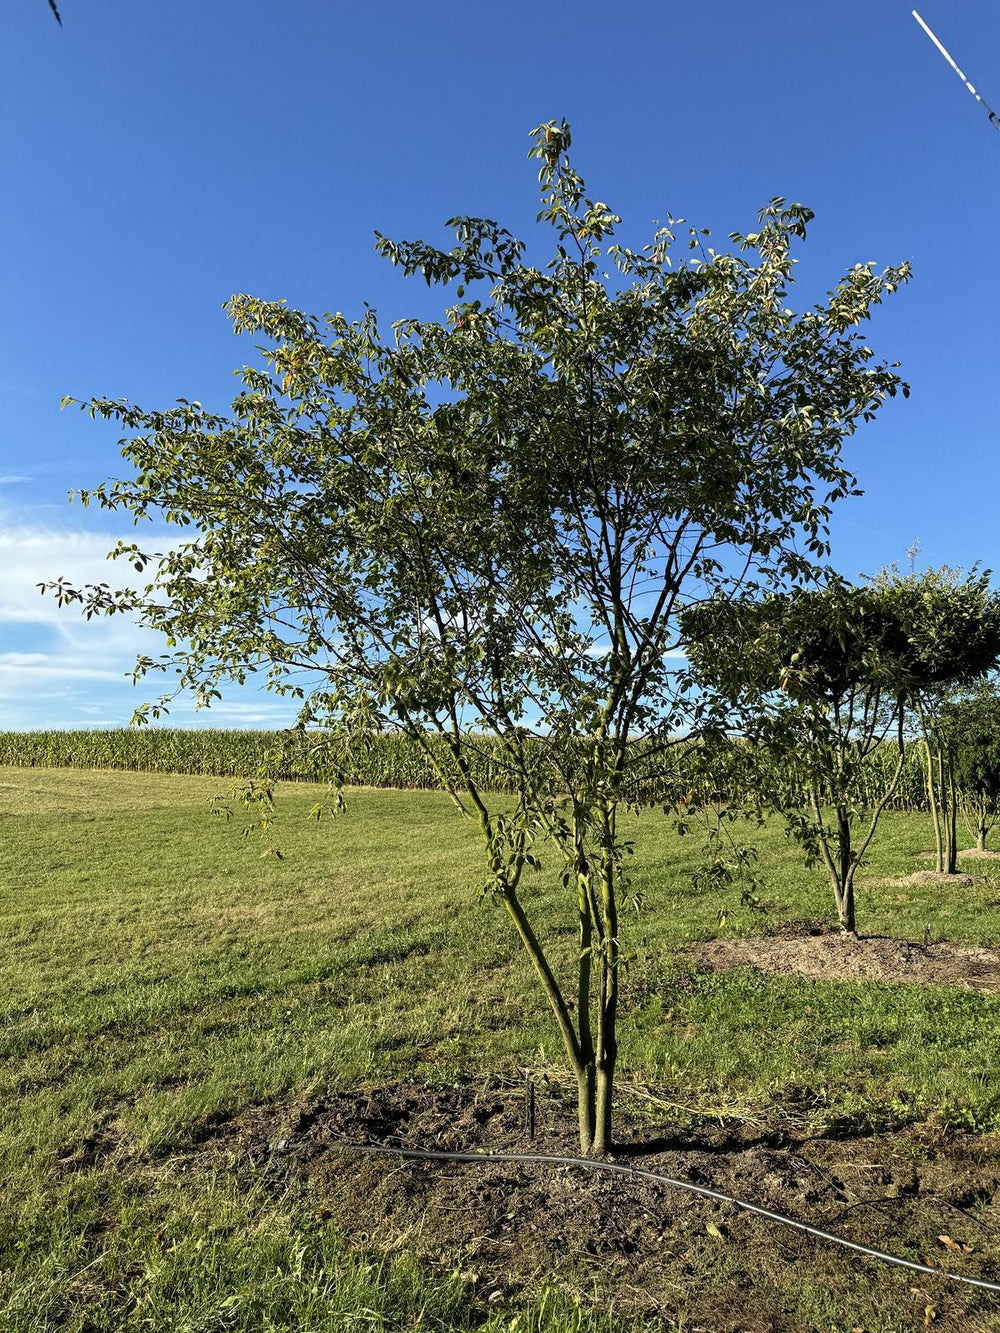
(158, 968)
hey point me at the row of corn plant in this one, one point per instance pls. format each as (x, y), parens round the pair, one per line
(377, 760)
(387, 760)
(212, 753)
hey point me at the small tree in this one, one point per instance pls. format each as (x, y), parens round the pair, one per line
(824, 679)
(815, 676)
(952, 622)
(492, 522)
(972, 724)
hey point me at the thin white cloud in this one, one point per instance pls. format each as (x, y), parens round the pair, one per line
(22, 670)
(30, 555)
(58, 670)
(55, 666)
(233, 714)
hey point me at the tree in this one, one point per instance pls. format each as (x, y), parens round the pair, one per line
(953, 630)
(815, 676)
(972, 724)
(491, 523)
(822, 680)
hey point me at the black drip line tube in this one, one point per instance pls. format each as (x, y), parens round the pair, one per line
(638, 1173)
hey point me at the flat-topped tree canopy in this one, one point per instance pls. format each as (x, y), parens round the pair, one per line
(822, 677)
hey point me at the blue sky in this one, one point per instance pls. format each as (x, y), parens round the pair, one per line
(159, 157)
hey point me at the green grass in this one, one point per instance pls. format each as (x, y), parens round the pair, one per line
(156, 968)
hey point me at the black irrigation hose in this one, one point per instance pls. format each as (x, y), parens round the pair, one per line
(435, 1155)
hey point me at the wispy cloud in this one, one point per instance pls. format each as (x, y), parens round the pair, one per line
(59, 670)
(19, 670)
(260, 712)
(54, 665)
(30, 555)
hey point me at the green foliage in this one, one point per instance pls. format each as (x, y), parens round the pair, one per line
(947, 622)
(973, 724)
(490, 522)
(211, 752)
(723, 773)
(818, 679)
(969, 728)
(952, 624)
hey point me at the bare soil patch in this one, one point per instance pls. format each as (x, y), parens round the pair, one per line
(829, 956)
(958, 880)
(628, 1244)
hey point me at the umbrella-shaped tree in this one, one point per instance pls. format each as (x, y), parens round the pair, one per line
(821, 680)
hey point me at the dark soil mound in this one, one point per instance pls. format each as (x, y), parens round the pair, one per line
(631, 1245)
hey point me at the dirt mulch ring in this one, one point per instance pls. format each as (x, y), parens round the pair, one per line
(829, 956)
(630, 1245)
(958, 880)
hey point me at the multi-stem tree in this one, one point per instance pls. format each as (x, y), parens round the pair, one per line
(812, 677)
(952, 621)
(491, 524)
(821, 681)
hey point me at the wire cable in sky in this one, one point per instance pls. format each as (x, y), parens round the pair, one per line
(994, 118)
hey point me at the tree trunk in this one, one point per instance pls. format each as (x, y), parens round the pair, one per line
(607, 1055)
(981, 833)
(586, 1108)
(952, 820)
(585, 1072)
(932, 797)
(845, 875)
(941, 816)
(845, 909)
(605, 1088)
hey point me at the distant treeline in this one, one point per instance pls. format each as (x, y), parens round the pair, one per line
(383, 760)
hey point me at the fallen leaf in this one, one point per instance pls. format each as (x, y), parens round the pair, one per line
(930, 1314)
(713, 1230)
(950, 1244)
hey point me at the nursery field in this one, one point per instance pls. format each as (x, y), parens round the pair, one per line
(191, 1025)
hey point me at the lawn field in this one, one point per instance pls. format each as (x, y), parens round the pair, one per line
(170, 991)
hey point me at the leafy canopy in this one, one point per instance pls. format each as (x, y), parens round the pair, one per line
(494, 519)
(972, 725)
(492, 522)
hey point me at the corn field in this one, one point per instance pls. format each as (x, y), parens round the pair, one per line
(910, 793)
(384, 760)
